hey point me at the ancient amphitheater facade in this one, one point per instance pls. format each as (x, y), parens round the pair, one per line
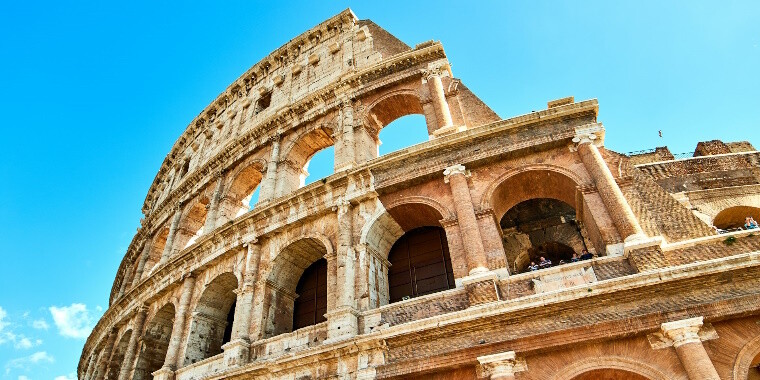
(416, 264)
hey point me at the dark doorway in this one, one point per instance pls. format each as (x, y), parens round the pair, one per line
(230, 320)
(420, 264)
(311, 304)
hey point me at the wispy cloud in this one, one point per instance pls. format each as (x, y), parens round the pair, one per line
(73, 321)
(40, 324)
(7, 335)
(70, 376)
(26, 362)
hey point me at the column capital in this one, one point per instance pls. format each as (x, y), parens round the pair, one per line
(502, 365)
(584, 138)
(454, 170)
(684, 331)
(342, 206)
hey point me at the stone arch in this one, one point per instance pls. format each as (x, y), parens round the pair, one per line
(117, 355)
(212, 318)
(155, 342)
(238, 189)
(745, 358)
(292, 170)
(588, 365)
(191, 223)
(733, 217)
(525, 183)
(393, 105)
(156, 249)
(285, 272)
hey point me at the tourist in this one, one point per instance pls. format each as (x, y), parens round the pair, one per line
(532, 267)
(586, 255)
(750, 223)
(544, 263)
(575, 258)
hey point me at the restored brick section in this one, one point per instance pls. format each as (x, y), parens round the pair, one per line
(712, 147)
(613, 269)
(607, 316)
(713, 250)
(661, 153)
(431, 308)
(649, 258)
(706, 172)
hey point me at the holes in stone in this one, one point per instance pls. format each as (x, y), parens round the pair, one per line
(263, 102)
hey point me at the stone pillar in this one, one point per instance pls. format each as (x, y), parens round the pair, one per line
(345, 155)
(267, 187)
(128, 365)
(213, 206)
(438, 96)
(141, 263)
(124, 280)
(688, 344)
(468, 223)
(171, 362)
(169, 247)
(105, 356)
(90, 366)
(342, 321)
(501, 366)
(622, 215)
(236, 351)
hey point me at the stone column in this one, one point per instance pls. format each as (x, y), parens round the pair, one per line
(267, 187)
(236, 351)
(345, 155)
(124, 280)
(622, 215)
(213, 206)
(141, 264)
(438, 96)
(501, 366)
(468, 223)
(342, 321)
(688, 344)
(90, 366)
(169, 247)
(128, 364)
(105, 356)
(171, 362)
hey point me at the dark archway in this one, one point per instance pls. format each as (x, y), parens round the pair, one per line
(155, 343)
(310, 304)
(211, 319)
(420, 264)
(117, 356)
(540, 227)
(734, 217)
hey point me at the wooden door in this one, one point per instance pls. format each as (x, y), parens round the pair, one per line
(311, 304)
(420, 264)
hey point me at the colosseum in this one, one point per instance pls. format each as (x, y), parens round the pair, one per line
(514, 248)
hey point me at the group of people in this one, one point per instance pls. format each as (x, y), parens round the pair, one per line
(750, 223)
(545, 263)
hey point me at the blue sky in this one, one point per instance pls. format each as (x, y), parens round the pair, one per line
(93, 95)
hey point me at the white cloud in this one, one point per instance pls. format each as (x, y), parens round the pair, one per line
(24, 363)
(19, 341)
(22, 343)
(70, 376)
(40, 324)
(73, 321)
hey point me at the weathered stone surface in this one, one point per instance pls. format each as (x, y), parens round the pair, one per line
(212, 285)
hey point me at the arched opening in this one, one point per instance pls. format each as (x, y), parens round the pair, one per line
(541, 228)
(609, 374)
(310, 304)
(117, 356)
(191, 225)
(733, 218)
(299, 267)
(420, 264)
(318, 166)
(155, 251)
(754, 368)
(155, 343)
(212, 319)
(241, 194)
(292, 171)
(401, 133)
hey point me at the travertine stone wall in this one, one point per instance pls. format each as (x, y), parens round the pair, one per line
(208, 285)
